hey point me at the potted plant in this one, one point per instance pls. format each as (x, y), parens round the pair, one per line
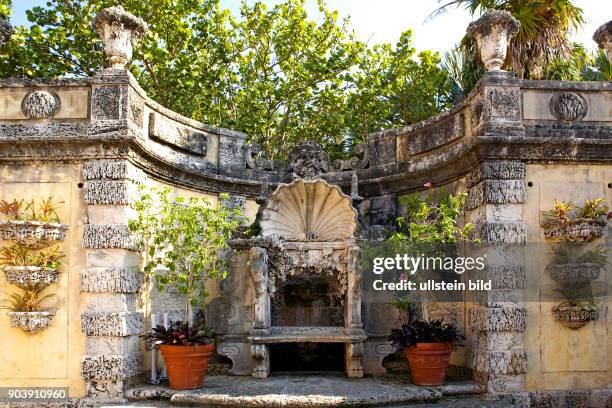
(575, 315)
(187, 348)
(27, 270)
(26, 311)
(565, 222)
(34, 224)
(182, 239)
(577, 309)
(428, 346)
(569, 267)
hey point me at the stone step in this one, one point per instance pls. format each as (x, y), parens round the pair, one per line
(305, 391)
(443, 403)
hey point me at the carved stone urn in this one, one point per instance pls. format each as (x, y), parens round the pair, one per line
(493, 32)
(6, 30)
(119, 31)
(603, 38)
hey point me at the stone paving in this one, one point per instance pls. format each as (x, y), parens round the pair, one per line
(304, 391)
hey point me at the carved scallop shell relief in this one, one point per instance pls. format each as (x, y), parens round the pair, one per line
(309, 210)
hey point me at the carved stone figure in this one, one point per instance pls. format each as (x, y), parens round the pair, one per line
(568, 106)
(119, 31)
(493, 32)
(603, 38)
(308, 160)
(6, 30)
(40, 105)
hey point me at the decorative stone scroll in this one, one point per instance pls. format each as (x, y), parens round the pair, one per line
(360, 161)
(31, 322)
(493, 32)
(256, 159)
(40, 105)
(119, 31)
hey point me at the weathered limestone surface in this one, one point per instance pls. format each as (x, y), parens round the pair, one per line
(107, 236)
(109, 192)
(509, 232)
(496, 192)
(113, 280)
(112, 367)
(112, 324)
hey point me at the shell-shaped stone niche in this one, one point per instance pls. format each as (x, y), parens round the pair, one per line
(309, 210)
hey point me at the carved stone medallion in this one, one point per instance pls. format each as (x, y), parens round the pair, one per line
(568, 106)
(40, 105)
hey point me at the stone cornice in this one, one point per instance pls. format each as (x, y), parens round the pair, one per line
(503, 118)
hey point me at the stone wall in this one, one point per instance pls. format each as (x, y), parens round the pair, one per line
(105, 133)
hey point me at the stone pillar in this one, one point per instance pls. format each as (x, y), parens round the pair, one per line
(258, 266)
(497, 318)
(354, 351)
(112, 318)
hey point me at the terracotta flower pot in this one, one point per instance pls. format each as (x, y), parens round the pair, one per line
(429, 362)
(186, 365)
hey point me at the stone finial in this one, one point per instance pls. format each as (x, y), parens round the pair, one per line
(119, 31)
(603, 38)
(493, 32)
(6, 30)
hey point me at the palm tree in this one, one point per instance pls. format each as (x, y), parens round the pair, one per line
(543, 35)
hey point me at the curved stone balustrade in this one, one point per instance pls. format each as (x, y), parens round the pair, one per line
(109, 116)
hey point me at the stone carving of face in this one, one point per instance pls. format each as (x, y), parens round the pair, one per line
(307, 160)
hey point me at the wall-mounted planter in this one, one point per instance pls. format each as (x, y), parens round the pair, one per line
(575, 231)
(28, 277)
(33, 234)
(574, 273)
(31, 322)
(574, 317)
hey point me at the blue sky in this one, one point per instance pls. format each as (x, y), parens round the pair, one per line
(378, 21)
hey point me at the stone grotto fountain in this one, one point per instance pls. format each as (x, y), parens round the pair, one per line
(300, 274)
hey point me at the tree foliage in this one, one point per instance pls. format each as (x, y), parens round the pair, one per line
(181, 239)
(274, 73)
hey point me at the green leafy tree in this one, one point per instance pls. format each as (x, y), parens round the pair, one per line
(392, 88)
(433, 219)
(270, 71)
(182, 239)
